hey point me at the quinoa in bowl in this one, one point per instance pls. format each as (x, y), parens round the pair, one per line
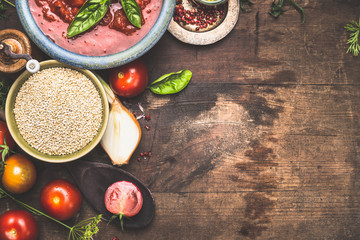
(57, 114)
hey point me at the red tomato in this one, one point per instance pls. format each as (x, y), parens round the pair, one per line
(18, 225)
(129, 80)
(5, 131)
(19, 174)
(123, 198)
(60, 199)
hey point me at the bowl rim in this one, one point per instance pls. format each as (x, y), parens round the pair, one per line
(212, 2)
(95, 62)
(20, 141)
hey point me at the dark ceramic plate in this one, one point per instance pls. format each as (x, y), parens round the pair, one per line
(94, 178)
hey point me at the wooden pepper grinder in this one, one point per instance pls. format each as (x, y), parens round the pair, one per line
(15, 50)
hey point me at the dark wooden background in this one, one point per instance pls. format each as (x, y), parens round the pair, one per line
(264, 142)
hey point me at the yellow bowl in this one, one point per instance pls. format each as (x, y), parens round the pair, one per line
(15, 133)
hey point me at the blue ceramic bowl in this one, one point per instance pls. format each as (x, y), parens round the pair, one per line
(95, 62)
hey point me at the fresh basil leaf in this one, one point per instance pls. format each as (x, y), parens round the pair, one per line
(171, 83)
(132, 11)
(89, 14)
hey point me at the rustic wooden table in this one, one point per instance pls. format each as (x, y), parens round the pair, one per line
(263, 143)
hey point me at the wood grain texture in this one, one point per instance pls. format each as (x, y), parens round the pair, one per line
(263, 143)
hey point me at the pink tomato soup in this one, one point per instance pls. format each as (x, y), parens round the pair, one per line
(100, 40)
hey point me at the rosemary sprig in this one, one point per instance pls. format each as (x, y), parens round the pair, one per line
(354, 28)
(84, 230)
(277, 9)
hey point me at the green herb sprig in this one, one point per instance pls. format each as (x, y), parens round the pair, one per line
(354, 28)
(4, 151)
(84, 230)
(243, 3)
(277, 9)
(3, 8)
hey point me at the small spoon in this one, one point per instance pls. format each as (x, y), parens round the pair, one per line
(93, 179)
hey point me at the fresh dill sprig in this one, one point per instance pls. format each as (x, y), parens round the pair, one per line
(354, 28)
(84, 230)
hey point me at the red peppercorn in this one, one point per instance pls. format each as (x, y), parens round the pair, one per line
(147, 117)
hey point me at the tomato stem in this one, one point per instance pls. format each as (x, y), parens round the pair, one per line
(33, 210)
(10, 3)
(83, 230)
(121, 216)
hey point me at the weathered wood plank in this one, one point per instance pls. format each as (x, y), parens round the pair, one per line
(263, 143)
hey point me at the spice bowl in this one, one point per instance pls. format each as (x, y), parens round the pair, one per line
(58, 114)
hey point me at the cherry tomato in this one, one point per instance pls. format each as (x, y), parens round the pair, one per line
(124, 198)
(60, 199)
(129, 80)
(18, 225)
(19, 174)
(5, 131)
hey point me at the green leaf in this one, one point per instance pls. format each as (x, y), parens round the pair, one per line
(89, 15)
(171, 83)
(132, 11)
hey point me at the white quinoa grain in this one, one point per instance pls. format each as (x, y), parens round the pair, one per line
(58, 111)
